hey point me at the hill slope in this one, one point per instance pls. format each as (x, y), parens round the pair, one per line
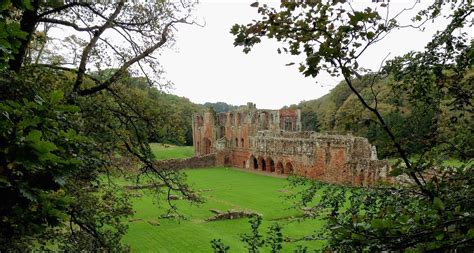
(415, 125)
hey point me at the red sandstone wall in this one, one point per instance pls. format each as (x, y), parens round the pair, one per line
(333, 159)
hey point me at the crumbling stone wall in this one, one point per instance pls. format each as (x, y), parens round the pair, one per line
(272, 141)
(192, 162)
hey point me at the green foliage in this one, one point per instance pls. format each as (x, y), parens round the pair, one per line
(31, 142)
(309, 120)
(96, 219)
(411, 123)
(165, 151)
(171, 111)
(218, 246)
(45, 166)
(222, 189)
(11, 35)
(421, 89)
(220, 106)
(381, 218)
(63, 127)
(254, 240)
(275, 238)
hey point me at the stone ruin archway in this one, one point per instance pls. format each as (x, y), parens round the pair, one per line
(288, 168)
(279, 168)
(262, 164)
(253, 163)
(271, 163)
(227, 161)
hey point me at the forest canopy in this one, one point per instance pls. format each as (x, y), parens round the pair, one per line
(74, 109)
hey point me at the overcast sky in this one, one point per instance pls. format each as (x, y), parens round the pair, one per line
(205, 66)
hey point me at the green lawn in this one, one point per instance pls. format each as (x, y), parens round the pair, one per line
(224, 189)
(166, 151)
(452, 162)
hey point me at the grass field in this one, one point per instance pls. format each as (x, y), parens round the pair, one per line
(222, 189)
(225, 189)
(166, 151)
(452, 162)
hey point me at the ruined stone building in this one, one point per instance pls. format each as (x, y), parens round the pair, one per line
(272, 141)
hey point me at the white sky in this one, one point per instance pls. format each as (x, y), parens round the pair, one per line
(205, 66)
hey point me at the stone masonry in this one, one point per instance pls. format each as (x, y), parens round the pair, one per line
(272, 141)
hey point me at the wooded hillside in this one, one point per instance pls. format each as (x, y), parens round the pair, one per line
(341, 111)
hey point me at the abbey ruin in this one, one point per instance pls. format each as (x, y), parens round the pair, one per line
(272, 141)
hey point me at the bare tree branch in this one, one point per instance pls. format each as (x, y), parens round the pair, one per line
(62, 8)
(126, 65)
(88, 48)
(70, 24)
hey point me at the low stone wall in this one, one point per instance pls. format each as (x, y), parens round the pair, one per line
(192, 162)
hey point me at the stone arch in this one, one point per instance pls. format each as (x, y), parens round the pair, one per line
(262, 164)
(279, 168)
(271, 164)
(254, 118)
(227, 161)
(208, 146)
(253, 161)
(288, 168)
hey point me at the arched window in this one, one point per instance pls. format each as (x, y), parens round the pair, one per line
(263, 164)
(253, 161)
(242, 142)
(288, 168)
(236, 142)
(272, 164)
(280, 168)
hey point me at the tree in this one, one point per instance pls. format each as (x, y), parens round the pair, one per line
(333, 35)
(220, 106)
(309, 120)
(65, 119)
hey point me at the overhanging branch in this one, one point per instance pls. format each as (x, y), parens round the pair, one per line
(126, 65)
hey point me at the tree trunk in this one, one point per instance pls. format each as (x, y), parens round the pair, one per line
(28, 25)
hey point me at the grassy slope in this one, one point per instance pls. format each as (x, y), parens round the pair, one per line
(452, 162)
(228, 189)
(162, 152)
